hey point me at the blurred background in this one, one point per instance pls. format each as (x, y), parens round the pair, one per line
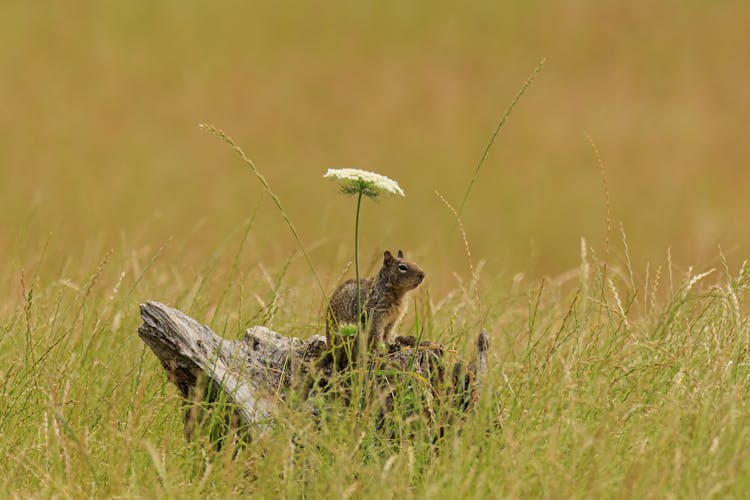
(100, 147)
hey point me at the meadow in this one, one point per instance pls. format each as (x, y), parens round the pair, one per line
(612, 280)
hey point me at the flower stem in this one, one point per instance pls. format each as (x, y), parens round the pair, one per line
(356, 273)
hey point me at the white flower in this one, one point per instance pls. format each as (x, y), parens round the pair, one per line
(370, 184)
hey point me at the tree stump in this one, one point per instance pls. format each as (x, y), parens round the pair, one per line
(258, 372)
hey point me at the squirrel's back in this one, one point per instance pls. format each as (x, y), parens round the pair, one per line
(342, 307)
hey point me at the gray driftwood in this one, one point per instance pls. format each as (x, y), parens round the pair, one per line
(259, 370)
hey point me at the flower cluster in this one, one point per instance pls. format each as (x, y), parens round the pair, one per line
(355, 181)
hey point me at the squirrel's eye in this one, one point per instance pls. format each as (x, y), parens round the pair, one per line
(402, 268)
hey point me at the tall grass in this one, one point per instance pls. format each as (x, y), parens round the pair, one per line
(649, 399)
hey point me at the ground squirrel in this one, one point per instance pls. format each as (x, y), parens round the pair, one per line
(382, 303)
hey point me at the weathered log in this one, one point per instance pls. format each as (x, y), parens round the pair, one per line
(257, 371)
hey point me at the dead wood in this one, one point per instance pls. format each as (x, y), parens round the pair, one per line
(258, 371)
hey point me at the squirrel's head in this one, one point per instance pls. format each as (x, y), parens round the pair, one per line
(400, 273)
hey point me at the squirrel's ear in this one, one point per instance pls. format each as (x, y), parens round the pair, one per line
(387, 257)
(400, 254)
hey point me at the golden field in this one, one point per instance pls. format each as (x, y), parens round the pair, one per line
(101, 103)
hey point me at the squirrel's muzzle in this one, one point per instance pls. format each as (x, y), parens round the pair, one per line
(420, 278)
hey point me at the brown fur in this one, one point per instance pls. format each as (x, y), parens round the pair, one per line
(382, 304)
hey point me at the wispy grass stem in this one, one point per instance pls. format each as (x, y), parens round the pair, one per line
(487, 148)
(228, 139)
